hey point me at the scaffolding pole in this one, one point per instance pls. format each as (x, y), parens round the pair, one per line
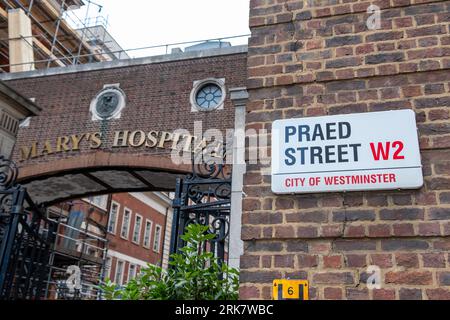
(75, 60)
(55, 36)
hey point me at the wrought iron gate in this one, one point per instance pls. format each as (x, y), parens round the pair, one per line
(204, 197)
(25, 240)
(27, 235)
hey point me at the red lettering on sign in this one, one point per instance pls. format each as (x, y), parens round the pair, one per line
(399, 145)
(294, 182)
(375, 178)
(383, 150)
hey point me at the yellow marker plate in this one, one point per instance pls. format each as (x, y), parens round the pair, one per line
(290, 289)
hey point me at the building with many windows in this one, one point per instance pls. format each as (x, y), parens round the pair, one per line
(108, 237)
(137, 230)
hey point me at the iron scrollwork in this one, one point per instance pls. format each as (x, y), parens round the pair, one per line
(210, 163)
(8, 173)
(25, 239)
(8, 176)
(204, 197)
(219, 224)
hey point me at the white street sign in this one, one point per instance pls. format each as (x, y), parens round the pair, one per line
(353, 152)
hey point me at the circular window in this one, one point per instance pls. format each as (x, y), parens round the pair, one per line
(108, 104)
(208, 95)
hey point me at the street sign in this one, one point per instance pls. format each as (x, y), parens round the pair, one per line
(353, 152)
(290, 289)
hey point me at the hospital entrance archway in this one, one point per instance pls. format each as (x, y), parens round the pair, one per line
(112, 127)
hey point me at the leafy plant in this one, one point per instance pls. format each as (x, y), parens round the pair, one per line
(195, 274)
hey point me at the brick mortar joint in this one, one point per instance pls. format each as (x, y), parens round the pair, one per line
(368, 32)
(353, 238)
(315, 80)
(334, 15)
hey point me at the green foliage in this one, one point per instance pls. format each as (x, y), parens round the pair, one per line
(195, 275)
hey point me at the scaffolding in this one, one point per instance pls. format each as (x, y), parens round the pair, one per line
(82, 244)
(59, 36)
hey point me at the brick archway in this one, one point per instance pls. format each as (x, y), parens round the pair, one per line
(100, 159)
(78, 154)
(99, 173)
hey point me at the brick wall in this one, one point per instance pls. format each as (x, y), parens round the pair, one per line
(127, 246)
(316, 58)
(157, 100)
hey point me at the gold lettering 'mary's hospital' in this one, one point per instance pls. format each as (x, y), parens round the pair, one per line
(122, 139)
(357, 121)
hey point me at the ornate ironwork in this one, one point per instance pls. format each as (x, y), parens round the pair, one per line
(210, 164)
(8, 176)
(8, 173)
(25, 239)
(204, 197)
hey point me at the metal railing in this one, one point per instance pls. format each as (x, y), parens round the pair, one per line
(89, 22)
(162, 50)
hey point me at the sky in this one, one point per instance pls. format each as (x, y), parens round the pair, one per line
(143, 23)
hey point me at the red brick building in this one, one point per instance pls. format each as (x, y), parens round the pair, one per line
(136, 234)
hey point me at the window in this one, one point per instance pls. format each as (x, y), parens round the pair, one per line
(157, 239)
(147, 233)
(108, 265)
(131, 272)
(137, 229)
(208, 94)
(119, 272)
(98, 201)
(113, 218)
(9, 123)
(125, 224)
